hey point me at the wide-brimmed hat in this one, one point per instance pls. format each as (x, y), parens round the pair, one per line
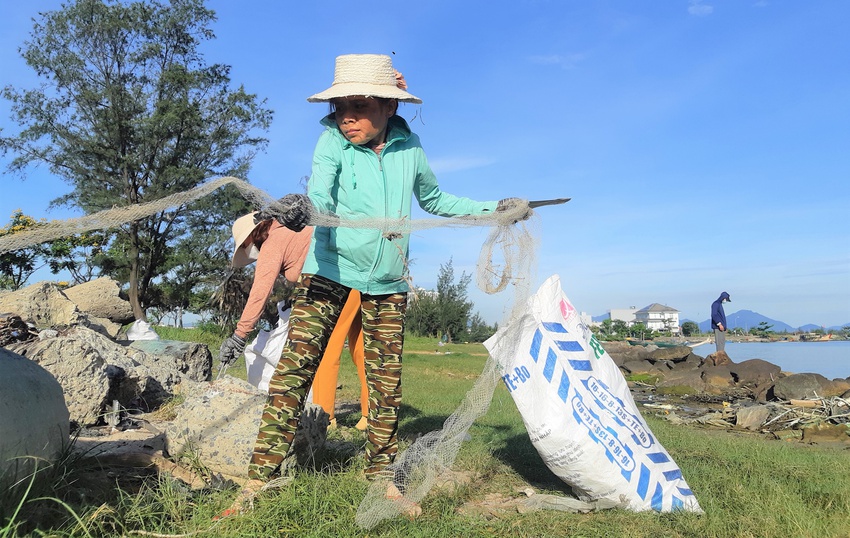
(242, 228)
(371, 75)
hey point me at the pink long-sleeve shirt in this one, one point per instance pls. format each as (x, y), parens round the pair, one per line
(283, 253)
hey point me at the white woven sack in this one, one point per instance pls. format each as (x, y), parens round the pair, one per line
(579, 412)
(263, 353)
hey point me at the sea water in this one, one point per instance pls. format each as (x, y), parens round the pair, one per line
(829, 359)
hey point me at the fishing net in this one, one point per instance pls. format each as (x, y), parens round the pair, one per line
(507, 260)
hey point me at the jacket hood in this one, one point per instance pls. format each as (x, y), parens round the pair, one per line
(725, 296)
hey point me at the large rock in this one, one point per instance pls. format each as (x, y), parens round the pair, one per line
(95, 370)
(690, 378)
(717, 358)
(34, 420)
(756, 375)
(46, 306)
(718, 379)
(623, 352)
(101, 298)
(691, 362)
(189, 358)
(218, 422)
(42, 304)
(643, 366)
(677, 353)
(752, 417)
(806, 385)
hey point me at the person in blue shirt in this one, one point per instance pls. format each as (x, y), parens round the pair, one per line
(718, 321)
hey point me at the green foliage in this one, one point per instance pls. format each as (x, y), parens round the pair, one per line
(447, 312)
(690, 328)
(131, 113)
(17, 266)
(761, 330)
(479, 330)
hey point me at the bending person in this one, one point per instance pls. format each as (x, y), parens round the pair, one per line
(281, 251)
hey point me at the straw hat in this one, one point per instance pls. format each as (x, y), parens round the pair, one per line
(242, 228)
(371, 75)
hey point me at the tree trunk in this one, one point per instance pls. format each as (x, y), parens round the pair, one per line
(133, 292)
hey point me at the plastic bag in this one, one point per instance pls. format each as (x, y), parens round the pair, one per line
(141, 330)
(263, 353)
(579, 412)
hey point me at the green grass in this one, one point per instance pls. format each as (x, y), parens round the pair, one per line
(748, 486)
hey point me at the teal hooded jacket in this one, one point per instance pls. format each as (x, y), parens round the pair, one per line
(353, 182)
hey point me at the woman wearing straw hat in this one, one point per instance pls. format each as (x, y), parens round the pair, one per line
(367, 165)
(281, 251)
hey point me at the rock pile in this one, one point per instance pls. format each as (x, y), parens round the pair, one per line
(679, 370)
(76, 343)
(756, 394)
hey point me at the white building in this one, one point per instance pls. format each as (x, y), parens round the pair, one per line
(658, 318)
(623, 314)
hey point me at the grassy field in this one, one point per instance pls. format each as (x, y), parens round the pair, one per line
(748, 486)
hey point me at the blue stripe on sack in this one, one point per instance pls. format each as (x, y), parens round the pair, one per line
(643, 481)
(568, 345)
(685, 491)
(658, 457)
(535, 344)
(564, 387)
(553, 327)
(583, 366)
(675, 474)
(677, 503)
(658, 498)
(549, 367)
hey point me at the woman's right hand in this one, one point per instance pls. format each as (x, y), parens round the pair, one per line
(231, 348)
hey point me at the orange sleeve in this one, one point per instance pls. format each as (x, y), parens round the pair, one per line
(282, 253)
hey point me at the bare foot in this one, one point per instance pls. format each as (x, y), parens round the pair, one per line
(409, 509)
(244, 501)
(361, 425)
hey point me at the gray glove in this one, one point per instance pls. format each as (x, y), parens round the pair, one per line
(231, 348)
(296, 210)
(517, 205)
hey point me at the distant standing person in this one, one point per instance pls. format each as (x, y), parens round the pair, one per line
(718, 321)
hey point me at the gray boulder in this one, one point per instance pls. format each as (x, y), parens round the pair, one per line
(43, 304)
(218, 423)
(101, 298)
(806, 385)
(691, 362)
(34, 420)
(717, 358)
(691, 378)
(718, 379)
(756, 375)
(752, 417)
(95, 370)
(46, 306)
(677, 353)
(643, 366)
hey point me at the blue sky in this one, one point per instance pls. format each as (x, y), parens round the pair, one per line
(705, 144)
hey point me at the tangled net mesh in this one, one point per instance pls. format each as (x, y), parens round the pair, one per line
(507, 259)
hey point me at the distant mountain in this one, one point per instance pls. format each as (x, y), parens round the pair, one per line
(747, 319)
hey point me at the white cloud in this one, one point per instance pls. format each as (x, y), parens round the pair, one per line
(456, 164)
(567, 61)
(698, 9)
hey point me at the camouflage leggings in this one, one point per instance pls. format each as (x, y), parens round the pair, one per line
(316, 307)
